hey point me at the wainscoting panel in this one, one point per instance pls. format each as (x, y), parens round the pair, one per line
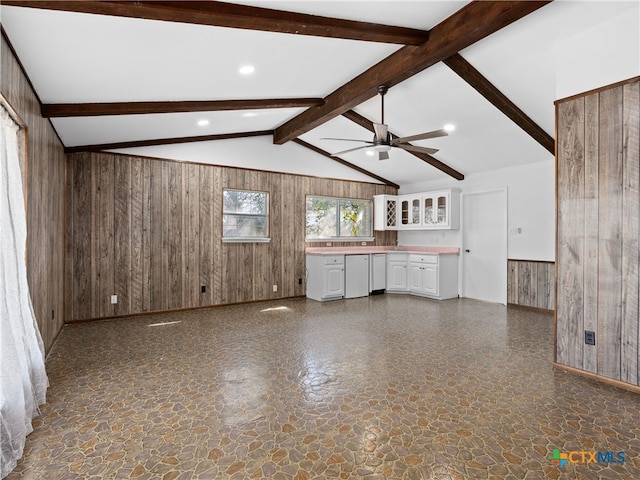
(531, 283)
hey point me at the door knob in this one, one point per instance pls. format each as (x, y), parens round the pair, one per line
(468, 251)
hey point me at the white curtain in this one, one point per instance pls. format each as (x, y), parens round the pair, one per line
(23, 380)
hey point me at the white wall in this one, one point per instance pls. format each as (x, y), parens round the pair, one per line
(531, 207)
(605, 54)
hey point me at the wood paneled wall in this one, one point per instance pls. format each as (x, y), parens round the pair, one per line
(531, 283)
(44, 173)
(598, 196)
(150, 232)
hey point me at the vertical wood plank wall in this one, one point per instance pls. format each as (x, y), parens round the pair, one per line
(531, 283)
(44, 172)
(598, 204)
(150, 232)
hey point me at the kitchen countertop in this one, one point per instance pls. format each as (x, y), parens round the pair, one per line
(431, 250)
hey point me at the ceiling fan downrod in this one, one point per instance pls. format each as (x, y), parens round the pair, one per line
(382, 90)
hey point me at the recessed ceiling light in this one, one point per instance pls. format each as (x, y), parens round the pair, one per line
(203, 122)
(370, 153)
(449, 127)
(247, 69)
(250, 114)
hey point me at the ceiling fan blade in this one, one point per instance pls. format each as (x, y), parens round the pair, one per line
(346, 139)
(350, 150)
(420, 136)
(412, 148)
(381, 131)
(383, 155)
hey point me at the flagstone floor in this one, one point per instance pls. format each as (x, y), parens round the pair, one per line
(383, 387)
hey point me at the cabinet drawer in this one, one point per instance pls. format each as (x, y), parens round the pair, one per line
(334, 259)
(424, 258)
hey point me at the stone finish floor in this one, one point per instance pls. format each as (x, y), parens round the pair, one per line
(384, 387)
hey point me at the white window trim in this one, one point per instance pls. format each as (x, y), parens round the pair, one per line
(339, 239)
(246, 240)
(267, 216)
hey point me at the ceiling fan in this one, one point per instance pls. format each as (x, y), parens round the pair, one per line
(382, 141)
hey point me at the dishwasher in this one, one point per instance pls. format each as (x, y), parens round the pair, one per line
(356, 276)
(378, 273)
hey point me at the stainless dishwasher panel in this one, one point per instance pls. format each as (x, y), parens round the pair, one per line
(378, 273)
(356, 276)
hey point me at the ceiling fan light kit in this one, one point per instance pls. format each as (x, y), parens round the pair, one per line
(382, 141)
(382, 148)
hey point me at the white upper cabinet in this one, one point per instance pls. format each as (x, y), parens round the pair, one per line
(385, 212)
(438, 210)
(441, 210)
(410, 211)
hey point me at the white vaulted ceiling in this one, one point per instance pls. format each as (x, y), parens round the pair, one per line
(76, 58)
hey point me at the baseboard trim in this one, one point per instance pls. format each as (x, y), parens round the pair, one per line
(594, 376)
(156, 312)
(532, 309)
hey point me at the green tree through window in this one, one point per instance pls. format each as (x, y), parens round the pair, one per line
(334, 218)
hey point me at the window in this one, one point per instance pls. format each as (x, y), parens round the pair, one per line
(338, 218)
(245, 216)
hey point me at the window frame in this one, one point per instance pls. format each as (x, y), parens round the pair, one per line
(266, 216)
(350, 238)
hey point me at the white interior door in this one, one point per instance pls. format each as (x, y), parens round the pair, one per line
(484, 251)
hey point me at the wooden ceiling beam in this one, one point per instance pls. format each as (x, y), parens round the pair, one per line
(467, 26)
(164, 141)
(221, 14)
(425, 157)
(135, 108)
(489, 91)
(345, 163)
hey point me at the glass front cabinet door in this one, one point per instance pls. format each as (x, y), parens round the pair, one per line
(410, 211)
(428, 211)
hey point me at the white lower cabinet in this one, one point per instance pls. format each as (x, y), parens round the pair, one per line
(433, 276)
(428, 275)
(423, 274)
(325, 277)
(397, 272)
(333, 281)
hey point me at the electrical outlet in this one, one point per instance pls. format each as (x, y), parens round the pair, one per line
(589, 337)
(299, 281)
(328, 244)
(275, 288)
(364, 244)
(114, 299)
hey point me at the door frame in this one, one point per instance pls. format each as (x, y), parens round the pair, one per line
(505, 197)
